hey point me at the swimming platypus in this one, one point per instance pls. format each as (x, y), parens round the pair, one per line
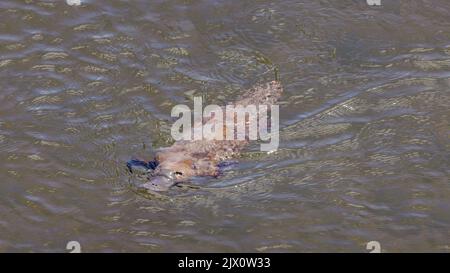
(191, 158)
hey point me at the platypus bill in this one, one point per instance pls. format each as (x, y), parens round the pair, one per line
(191, 158)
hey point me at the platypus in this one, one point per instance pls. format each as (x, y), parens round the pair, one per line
(191, 158)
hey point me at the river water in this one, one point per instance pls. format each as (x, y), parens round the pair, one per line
(364, 124)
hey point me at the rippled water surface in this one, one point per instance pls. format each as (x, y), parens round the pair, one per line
(364, 151)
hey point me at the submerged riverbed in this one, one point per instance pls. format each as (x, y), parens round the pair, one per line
(364, 124)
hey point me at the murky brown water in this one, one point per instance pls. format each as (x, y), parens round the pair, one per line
(364, 152)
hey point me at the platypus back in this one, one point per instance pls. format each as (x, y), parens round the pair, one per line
(189, 158)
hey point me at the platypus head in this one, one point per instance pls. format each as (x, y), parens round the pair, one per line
(171, 169)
